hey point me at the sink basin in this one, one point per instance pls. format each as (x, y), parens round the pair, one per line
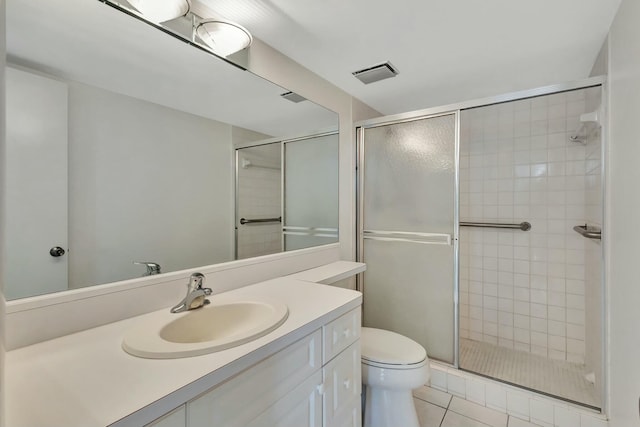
(214, 327)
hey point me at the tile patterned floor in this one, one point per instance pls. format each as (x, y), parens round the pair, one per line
(438, 409)
(554, 377)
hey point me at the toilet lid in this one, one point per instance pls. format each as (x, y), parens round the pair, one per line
(390, 348)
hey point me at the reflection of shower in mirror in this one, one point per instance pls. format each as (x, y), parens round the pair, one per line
(246, 164)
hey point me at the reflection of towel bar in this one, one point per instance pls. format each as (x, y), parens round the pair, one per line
(244, 221)
(524, 226)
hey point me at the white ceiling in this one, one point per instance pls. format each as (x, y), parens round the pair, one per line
(446, 50)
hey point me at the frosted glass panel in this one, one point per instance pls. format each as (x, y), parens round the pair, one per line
(311, 192)
(408, 190)
(409, 176)
(408, 288)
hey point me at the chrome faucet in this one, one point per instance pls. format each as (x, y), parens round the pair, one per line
(196, 295)
(152, 267)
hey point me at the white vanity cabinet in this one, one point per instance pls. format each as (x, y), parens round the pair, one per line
(315, 382)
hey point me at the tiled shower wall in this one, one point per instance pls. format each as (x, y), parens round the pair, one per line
(259, 196)
(524, 290)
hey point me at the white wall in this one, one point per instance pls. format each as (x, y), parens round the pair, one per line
(2, 211)
(130, 162)
(36, 184)
(623, 239)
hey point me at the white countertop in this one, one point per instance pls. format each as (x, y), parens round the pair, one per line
(330, 273)
(86, 379)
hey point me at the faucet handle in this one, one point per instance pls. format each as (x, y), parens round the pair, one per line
(152, 267)
(196, 281)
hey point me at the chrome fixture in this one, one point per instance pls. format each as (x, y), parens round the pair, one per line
(223, 37)
(161, 11)
(524, 226)
(244, 221)
(589, 231)
(376, 73)
(152, 267)
(196, 295)
(217, 36)
(588, 123)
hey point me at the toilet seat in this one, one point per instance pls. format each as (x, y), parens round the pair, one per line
(389, 350)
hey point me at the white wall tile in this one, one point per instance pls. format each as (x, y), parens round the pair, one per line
(496, 397)
(592, 421)
(438, 378)
(541, 412)
(456, 385)
(518, 404)
(563, 417)
(476, 391)
(521, 166)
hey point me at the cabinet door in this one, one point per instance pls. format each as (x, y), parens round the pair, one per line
(350, 416)
(177, 418)
(302, 407)
(342, 383)
(240, 399)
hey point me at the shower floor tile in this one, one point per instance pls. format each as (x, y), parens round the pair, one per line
(558, 378)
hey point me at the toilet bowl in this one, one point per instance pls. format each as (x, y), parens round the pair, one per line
(392, 366)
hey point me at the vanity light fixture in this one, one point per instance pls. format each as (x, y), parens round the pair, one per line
(158, 11)
(224, 37)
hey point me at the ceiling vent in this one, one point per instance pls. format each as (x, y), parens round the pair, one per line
(376, 73)
(293, 97)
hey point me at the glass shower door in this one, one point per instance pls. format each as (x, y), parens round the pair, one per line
(310, 191)
(408, 233)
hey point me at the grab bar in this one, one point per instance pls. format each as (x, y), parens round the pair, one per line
(524, 226)
(588, 231)
(244, 221)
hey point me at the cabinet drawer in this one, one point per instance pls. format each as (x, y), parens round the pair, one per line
(342, 384)
(243, 397)
(302, 407)
(340, 333)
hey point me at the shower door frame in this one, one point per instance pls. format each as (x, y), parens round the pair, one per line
(457, 108)
(236, 187)
(456, 206)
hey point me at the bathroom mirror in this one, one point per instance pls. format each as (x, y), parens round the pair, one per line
(121, 148)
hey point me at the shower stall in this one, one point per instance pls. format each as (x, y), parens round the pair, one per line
(480, 226)
(286, 194)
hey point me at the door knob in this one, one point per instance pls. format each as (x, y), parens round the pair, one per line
(56, 251)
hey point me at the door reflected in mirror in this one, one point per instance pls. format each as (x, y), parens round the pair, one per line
(122, 151)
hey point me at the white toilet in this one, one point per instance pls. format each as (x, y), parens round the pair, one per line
(392, 366)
